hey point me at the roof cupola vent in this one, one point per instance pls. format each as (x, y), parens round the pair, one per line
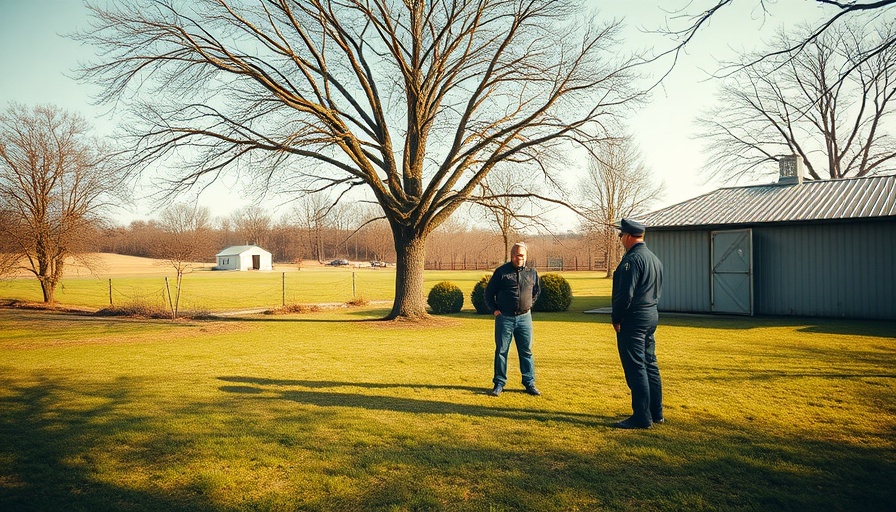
(791, 170)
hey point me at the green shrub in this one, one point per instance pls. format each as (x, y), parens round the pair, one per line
(556, 294)
(477, 298)
(445, 297)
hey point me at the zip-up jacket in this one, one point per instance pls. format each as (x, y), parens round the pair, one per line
(637, 282)
(512, 290)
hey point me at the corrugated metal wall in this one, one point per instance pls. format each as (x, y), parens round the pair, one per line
(834, 270)
(686, 269)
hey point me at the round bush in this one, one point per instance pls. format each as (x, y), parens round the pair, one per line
(445, 297)
(556, 294)
(477, 298)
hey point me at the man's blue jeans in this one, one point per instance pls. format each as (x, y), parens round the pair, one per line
(520, 329)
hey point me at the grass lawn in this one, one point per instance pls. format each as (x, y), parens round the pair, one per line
(334, 411)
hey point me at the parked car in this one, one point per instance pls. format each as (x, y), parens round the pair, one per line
(377, 263)
(338, 263)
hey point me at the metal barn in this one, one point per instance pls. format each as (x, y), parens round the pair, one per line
(815, 248)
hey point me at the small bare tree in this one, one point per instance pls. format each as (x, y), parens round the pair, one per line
(818, 103)
(56, 185)
(253, 224)
(185, 240)
(617, 185)
(509, 202)
(310, 214)
(374, 230)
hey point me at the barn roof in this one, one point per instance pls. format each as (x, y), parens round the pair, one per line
(236, 250)
(856, 198)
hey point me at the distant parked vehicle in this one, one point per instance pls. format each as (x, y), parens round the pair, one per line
(338, 263)
(377, 263)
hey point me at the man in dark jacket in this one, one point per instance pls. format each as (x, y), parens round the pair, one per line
(637, 285)
(510, 293)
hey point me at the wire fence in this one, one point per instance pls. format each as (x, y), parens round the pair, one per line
(221, 291)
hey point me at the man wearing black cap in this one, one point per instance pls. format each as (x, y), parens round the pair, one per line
(637, 285)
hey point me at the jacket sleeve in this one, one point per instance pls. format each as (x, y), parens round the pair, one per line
(536, 289)
(491, 291)
(624, 281)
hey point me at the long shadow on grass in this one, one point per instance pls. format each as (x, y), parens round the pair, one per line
(51, 453)
(58, 453)
(262, 381)
(711, 464)
(387, 403)
(877, 328)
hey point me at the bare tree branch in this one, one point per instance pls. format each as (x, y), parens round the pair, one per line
(817, 104)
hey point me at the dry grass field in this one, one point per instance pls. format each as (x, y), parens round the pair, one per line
(110, 265)
(101, 280)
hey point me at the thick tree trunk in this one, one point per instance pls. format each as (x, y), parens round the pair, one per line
(48, 274)
(410, 250)
(48, 288)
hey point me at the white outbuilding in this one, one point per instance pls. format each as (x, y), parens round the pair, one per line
(244, 257)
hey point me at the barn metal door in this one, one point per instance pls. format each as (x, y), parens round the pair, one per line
(732, 272)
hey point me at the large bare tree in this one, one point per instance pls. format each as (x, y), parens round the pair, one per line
(819, 103)
(618, 185)
(56, 185)
(415, 101)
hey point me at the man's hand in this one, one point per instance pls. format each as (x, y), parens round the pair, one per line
(497, 312)
(616, 327)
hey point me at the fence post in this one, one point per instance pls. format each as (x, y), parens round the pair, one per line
(283, 289)
(110, 292)
(353, 285)
(168, 289)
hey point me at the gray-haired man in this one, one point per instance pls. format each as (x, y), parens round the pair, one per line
(510, 293)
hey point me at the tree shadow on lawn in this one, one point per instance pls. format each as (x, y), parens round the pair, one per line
(387, 403)
(359, 316)
(60, 456)
(48, 451)
(721, 460)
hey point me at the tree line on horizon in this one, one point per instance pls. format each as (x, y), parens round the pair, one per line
(452, 247)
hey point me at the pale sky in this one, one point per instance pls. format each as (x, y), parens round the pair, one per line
(37, 62)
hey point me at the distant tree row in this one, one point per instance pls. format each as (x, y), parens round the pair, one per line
(185, 235)
(190, 233)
